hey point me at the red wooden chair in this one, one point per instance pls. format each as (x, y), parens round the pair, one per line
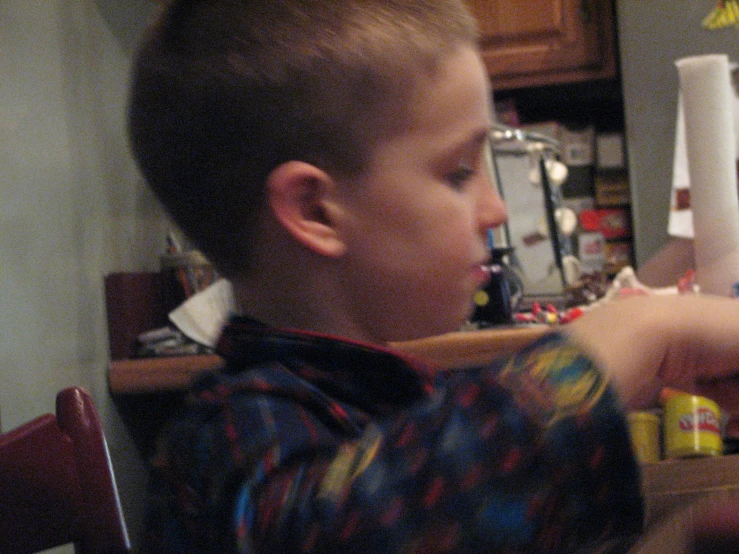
(57, 484)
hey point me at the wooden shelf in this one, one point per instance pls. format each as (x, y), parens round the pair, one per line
(146, 375)
(470, 348)
(452, 350)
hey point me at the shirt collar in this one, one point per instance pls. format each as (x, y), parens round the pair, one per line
(327, 360)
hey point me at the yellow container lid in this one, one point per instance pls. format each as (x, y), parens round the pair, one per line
(646, 417)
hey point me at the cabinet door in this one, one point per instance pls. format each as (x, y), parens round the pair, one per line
(540, 42)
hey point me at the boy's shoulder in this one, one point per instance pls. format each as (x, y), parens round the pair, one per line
(251, 411)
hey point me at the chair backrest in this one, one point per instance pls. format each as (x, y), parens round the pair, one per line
(57, 484)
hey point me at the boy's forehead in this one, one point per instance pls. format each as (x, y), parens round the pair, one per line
(458, 92)
(448, 114)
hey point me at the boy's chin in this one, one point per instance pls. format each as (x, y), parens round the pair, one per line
(442, 328)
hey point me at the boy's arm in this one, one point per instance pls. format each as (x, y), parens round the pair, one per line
(647, 342)
(530, 454)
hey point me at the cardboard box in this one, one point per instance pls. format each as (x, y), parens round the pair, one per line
(612, 223)
(612, 189)
(591, 252)
(578, 146)
(609, 148)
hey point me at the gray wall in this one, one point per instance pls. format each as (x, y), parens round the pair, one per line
(652, 35)
(72, 206)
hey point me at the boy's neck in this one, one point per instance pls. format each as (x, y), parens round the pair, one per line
(297, 298)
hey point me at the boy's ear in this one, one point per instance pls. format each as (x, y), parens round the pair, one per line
(303, 200)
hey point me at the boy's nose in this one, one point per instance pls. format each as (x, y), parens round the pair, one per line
(491, 208)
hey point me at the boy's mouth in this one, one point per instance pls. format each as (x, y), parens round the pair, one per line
(481, 274)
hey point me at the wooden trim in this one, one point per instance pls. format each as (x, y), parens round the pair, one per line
(452, 350)
(464, 349)
(170, 373)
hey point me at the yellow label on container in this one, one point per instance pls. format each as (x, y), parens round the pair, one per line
(692, 427)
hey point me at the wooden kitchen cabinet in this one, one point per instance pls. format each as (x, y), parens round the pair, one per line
(529, 43)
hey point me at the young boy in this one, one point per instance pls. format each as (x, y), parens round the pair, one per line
(328, 157)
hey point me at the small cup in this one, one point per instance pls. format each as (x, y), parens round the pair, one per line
(692, 427)
(645, 431)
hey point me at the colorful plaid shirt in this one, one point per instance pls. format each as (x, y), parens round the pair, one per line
(309, 443)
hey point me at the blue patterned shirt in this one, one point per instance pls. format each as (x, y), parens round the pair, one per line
(310, 443)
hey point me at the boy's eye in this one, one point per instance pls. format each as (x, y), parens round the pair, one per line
(460, 176)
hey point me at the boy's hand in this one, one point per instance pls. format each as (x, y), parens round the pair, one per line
(648, 342)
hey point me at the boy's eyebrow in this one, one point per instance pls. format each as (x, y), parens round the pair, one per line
(469, 138)
(484, 134)
(477, 137)
(463, 146)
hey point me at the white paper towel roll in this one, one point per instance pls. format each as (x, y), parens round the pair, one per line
(711, 145)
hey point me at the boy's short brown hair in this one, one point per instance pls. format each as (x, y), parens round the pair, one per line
(224, 91)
